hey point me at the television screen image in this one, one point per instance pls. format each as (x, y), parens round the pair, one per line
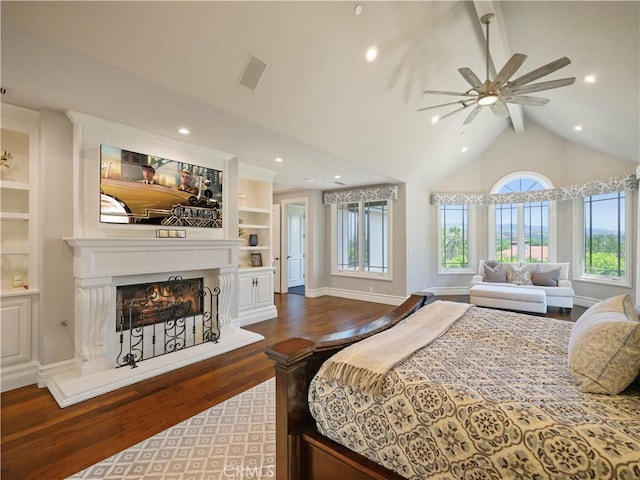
(137, 188)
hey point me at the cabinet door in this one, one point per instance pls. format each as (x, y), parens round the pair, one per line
(16, 330)
(245, 291)
(264, 289)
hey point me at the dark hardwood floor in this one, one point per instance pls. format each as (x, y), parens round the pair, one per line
(43, 441)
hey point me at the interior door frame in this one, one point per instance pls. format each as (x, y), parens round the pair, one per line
(284, 239)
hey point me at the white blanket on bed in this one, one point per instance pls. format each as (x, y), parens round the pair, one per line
(364, 364)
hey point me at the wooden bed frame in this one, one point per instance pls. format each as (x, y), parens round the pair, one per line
(301, 452)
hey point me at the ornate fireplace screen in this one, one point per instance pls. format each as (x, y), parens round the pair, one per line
(163, 317)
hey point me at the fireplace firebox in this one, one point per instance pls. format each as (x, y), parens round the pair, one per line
(157, 318)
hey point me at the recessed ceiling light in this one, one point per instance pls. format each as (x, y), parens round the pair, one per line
(435, 119)
(278, 159)
(183, 131)
(578, 128)
(464, 149)
(336, 176)
(372, 53)
(590, 78)
(357, 10)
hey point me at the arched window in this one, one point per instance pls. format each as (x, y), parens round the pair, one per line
(522, 231)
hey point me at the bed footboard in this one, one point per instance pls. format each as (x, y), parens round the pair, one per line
(301, 453)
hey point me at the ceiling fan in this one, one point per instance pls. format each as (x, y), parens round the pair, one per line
(498, 92)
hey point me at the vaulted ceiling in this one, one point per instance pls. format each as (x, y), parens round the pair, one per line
(319, 105)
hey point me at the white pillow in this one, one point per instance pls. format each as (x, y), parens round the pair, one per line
(519, 275)
(604, 348)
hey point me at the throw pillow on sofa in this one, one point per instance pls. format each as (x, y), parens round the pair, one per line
(545, 278)
(519, 275)
(494, 274)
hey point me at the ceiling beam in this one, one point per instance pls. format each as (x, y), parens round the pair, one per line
(499, 52)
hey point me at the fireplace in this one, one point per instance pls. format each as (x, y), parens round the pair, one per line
(101, 265)
(158, 318)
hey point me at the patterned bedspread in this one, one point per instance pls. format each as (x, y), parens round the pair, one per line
(492, 399)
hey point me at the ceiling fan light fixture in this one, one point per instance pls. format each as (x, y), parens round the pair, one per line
(488, 99)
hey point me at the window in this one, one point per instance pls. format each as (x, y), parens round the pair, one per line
(454, 242)
(362, 233)
(522, 232)
(604, 239)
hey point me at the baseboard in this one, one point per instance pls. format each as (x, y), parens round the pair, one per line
(257, 315)
(16, 376)
(47, 372)
(365, 296)
(442, 291)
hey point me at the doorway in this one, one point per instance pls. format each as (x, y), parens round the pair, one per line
(293, 246)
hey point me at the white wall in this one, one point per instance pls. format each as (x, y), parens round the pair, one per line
(56, 206)
(564, 163)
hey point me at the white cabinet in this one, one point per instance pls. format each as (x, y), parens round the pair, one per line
(16, 330)
(20, 245)
(255, 275)
(255, 295)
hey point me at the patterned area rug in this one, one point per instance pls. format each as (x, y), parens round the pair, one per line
(230, 441)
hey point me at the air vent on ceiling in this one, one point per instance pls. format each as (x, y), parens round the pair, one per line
(340, 183)
(252, 73)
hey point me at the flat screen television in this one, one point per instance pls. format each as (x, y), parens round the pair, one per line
(136, 188)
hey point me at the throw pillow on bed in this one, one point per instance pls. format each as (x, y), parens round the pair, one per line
(494, 274)
(519, 275)
(604, 348)
(545, 278)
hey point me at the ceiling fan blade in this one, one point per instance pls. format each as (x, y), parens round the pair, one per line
(441, 92)
(472, 79)
(472, 115)
(540, 72)
(440, 105)
(500, 109)
(508, 70)
(536, 87)
(453, 112)
(530, 101)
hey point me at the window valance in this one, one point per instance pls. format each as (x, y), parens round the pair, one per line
(598, 187)
(369, 194)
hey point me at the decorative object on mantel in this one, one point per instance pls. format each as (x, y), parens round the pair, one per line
(5, 165)
(498, 92)
(253, 239)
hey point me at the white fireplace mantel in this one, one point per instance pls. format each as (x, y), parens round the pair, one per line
(100, 257)
(102, 263)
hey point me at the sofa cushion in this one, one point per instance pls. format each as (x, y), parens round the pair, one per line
(604, 347)
(494, 274)
(545, 278)
(519, 275)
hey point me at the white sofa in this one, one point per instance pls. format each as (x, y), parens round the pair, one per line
(560, 296)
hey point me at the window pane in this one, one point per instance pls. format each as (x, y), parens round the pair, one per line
(604, 235)
(507, 233)
(536, 232)
(375, 236)
(454, 240)
(347, 236)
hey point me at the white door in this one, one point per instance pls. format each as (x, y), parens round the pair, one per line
(295, 245)
(275, 236)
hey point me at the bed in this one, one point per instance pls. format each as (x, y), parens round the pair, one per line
(493, 394)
